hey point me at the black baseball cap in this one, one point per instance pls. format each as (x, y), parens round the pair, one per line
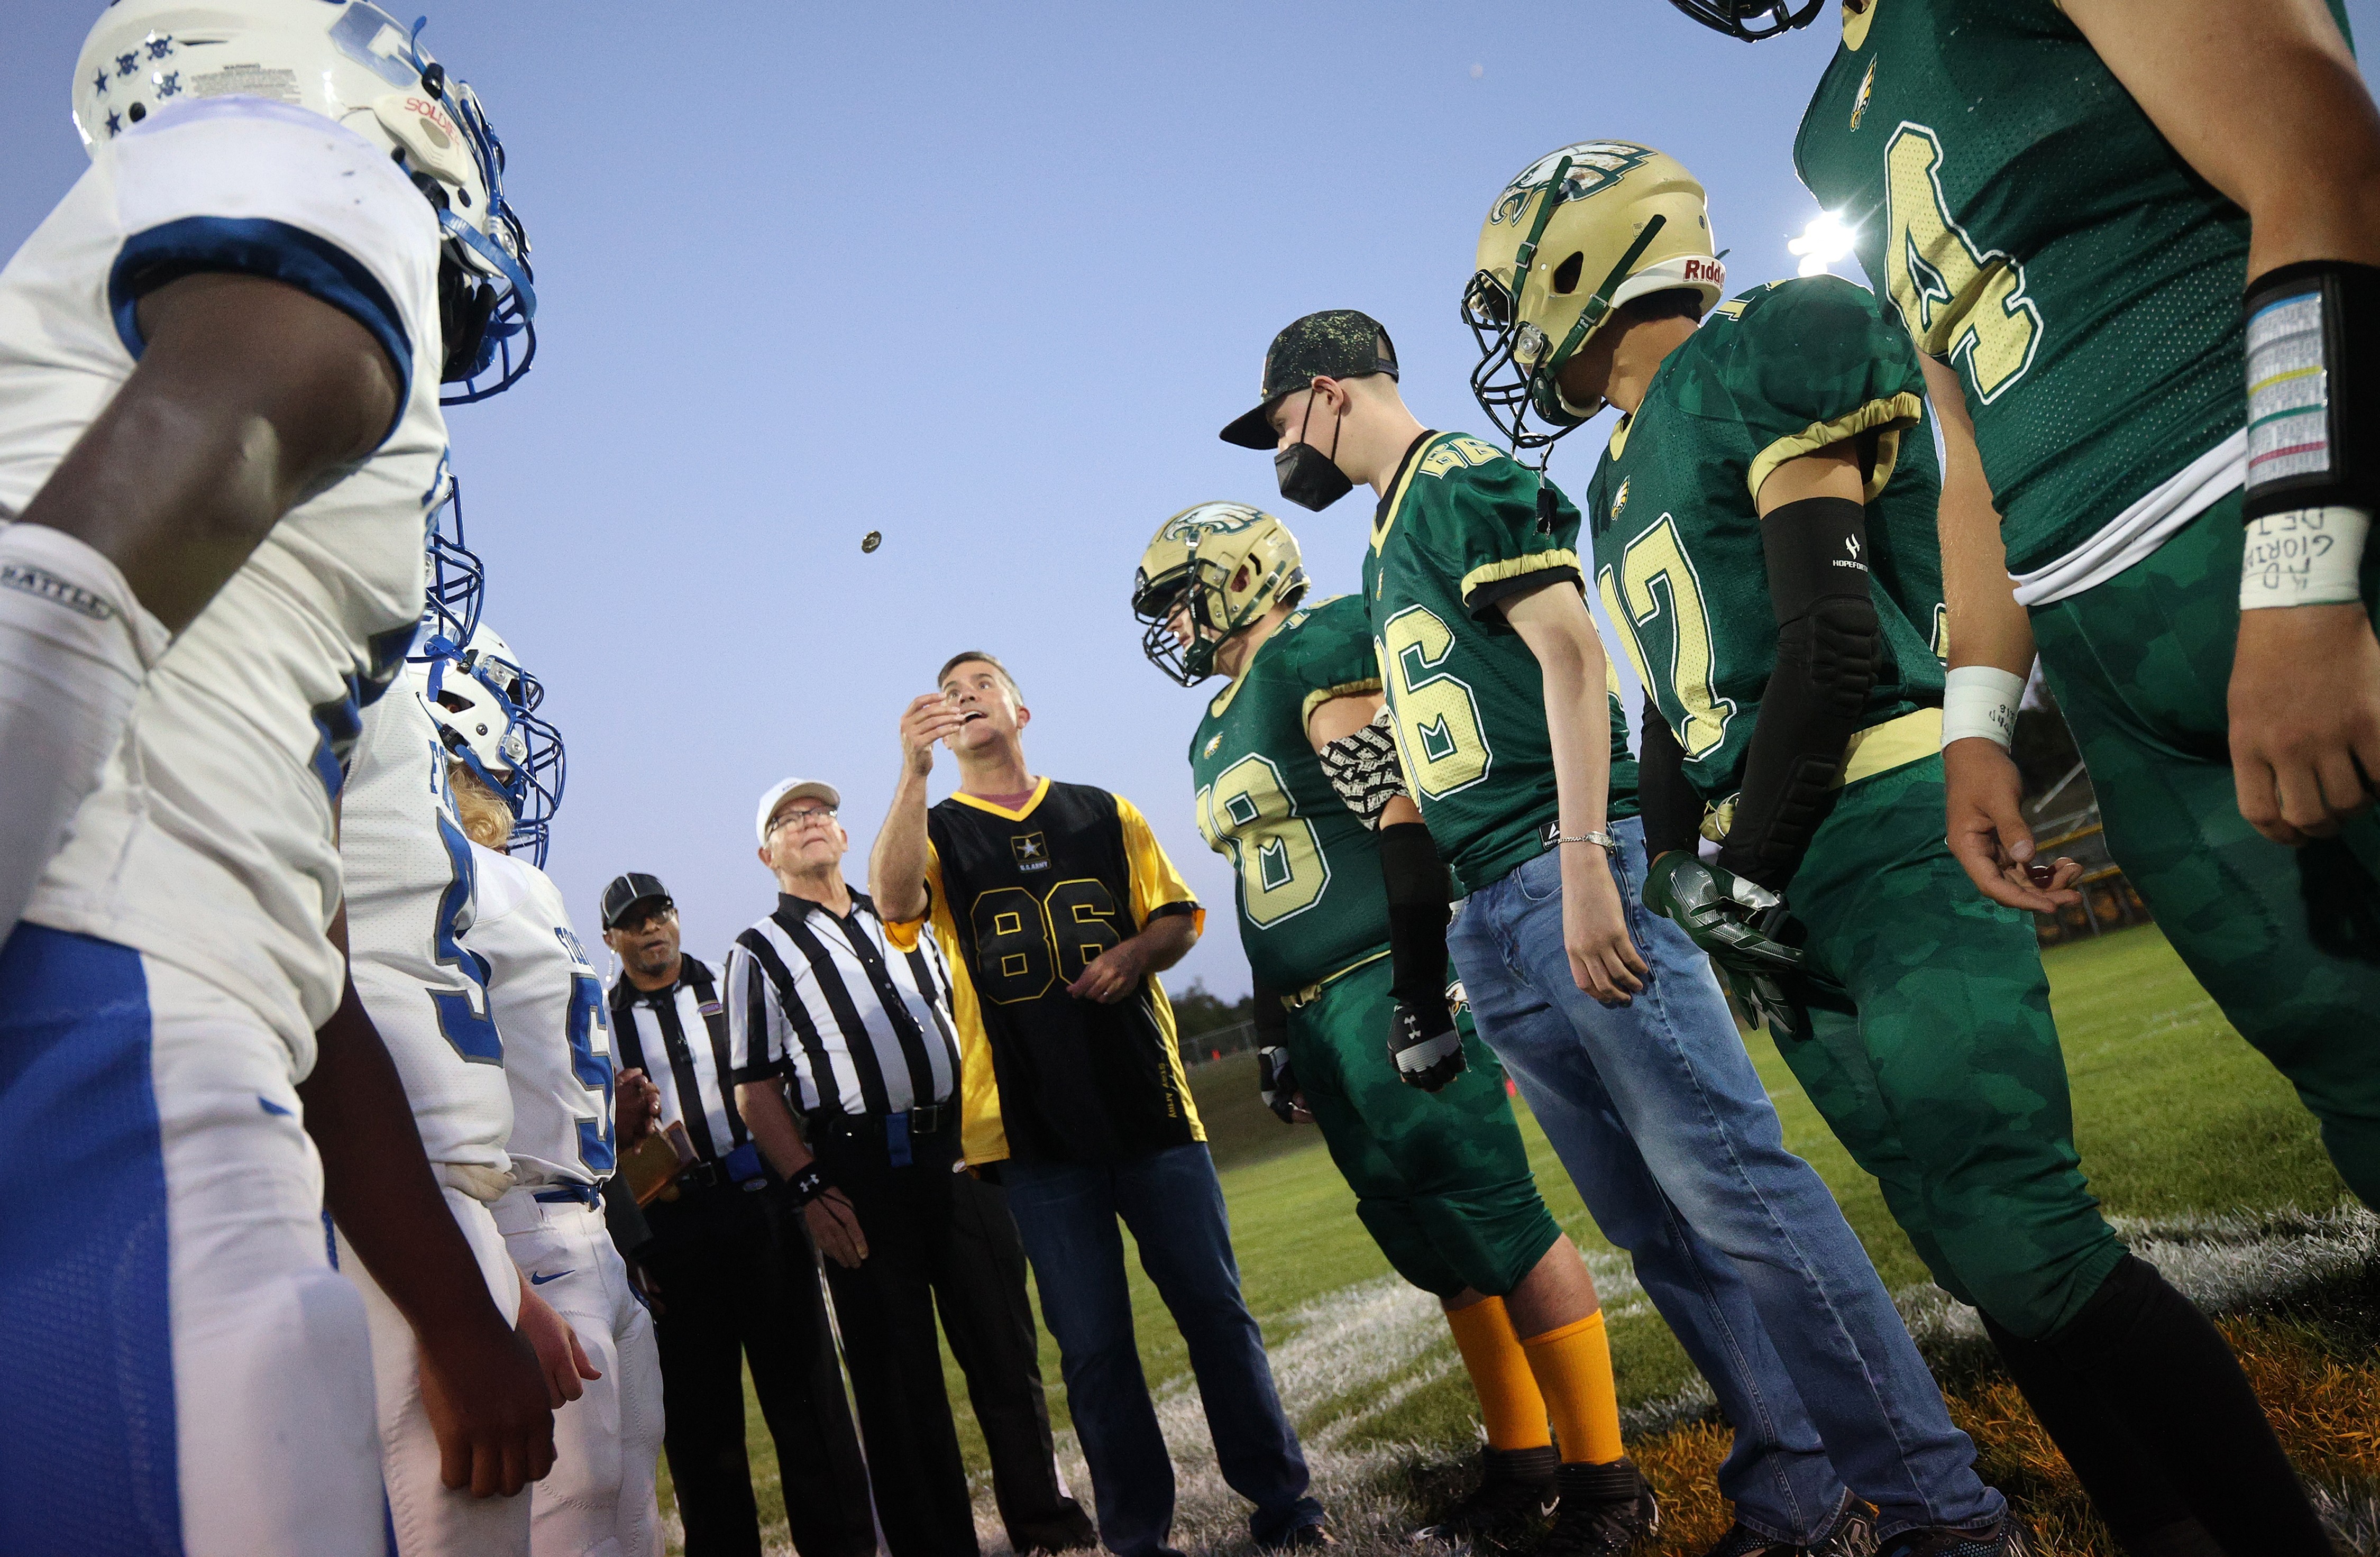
(627, 892)
(1340, 343)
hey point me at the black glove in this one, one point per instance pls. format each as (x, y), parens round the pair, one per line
(1277, 1084)
(1425, 1044)
(1749, 935)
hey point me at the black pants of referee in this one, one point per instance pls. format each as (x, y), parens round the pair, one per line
(939, 1239)
(738, 1280)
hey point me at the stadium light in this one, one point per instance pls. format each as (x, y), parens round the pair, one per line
(1823, 242)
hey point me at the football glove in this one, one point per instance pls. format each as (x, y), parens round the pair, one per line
(1277, 1084)
(1425, 1044)
(1744, 927)
(1364, 770)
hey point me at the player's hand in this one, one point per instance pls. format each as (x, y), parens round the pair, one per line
(2305, 719)
(1112, 975)
(486, 1399)
(928, 719)
(1603, 956)
(1277, 1086)
(1987, 834)
(1424, 1044)
(834, 1227)
(636, 1106)
(559, 1356)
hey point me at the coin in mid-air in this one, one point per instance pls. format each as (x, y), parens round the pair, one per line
(872, 540)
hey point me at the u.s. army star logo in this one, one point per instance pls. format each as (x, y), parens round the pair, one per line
(1032, 853)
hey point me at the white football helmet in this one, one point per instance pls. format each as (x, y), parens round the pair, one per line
(484, 705)
(353, 62)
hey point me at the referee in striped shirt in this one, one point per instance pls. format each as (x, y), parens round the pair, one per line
(731, 1269)
(821, 1007)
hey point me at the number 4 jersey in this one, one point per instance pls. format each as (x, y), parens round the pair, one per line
(1310, 898)
(1782, 372)
(1458, 533)
(1023, 902)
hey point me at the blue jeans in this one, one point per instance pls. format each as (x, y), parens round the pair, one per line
(1655, 1109)
(1066, 1213)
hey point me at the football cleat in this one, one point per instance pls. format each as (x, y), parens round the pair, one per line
(355, 64)
(1210, 571)
(485, 707)
(1753, 20)
(2007, 1539)
(1854, 1536)
(1516, 1492)
(1604, 1510)
(1572, 237)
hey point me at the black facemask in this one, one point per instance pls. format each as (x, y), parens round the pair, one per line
(1308, 477)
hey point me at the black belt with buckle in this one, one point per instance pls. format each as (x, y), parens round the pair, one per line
(892, 1133)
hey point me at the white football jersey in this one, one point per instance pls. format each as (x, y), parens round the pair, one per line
(209, 842)
(413, 886)
(549, 1002)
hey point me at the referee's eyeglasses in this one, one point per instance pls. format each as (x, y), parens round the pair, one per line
(649, 919)
(802, 816)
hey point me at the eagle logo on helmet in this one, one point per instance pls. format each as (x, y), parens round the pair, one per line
(1595, 167)
(1209, 519)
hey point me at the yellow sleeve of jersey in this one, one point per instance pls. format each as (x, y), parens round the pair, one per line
(1155, 882)
(902, 933)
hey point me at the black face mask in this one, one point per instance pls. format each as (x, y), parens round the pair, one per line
(1308, 477)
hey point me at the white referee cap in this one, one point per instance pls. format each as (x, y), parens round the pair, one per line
(792, 788)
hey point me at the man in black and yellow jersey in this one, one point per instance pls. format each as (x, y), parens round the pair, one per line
(1057, 908)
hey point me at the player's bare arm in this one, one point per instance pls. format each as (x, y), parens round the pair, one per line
(2264, 99)
(249, 393)
(1991, 656)
(480, 1379)
(896, 864)
(834, 1224)
(1554, 622)
(1117, 972)
(559, 1356)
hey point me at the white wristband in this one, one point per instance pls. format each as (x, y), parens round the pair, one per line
(1981, 700)
(2307, 556)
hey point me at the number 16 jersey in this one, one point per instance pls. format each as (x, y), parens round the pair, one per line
(1024, 901)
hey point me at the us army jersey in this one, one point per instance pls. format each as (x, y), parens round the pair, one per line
(1309, 875)
(2032, 227)
(1782, 372)
(1457, 534)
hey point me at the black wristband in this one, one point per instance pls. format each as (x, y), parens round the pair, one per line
(2309, 437)
(805, 1185)
(1415, 879)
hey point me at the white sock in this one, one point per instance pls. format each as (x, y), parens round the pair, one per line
(74, 645)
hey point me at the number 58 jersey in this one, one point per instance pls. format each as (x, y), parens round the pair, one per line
(1310, 898)
(549, 1005)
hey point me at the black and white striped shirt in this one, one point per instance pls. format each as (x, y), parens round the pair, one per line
(857, 1026)
(677, 1035)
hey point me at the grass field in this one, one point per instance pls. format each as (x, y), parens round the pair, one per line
(2196, 1147)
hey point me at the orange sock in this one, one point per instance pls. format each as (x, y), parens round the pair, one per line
(1515, 1412)
(1572, 1367)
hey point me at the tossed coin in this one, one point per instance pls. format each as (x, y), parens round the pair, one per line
(872, 540)
(2040, 875)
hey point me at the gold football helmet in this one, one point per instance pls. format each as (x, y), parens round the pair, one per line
(1220, 564)
(1578, 232)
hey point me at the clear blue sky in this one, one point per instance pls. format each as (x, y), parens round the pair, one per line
(985, 278)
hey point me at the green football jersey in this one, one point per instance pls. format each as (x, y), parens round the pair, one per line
(2034, 229)
(1457, 534)
(1782, 372)
(1310, 898)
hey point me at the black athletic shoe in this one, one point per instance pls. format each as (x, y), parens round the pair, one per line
(2007, 1539)
(1516, 1492)
(1605, 1510)
(1854, 1536)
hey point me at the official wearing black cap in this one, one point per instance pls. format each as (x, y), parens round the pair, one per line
(730, 1267)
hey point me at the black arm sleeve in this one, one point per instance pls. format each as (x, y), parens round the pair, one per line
(1672, 811)
(1270, 1017)
(1826, 647)
(1416, 877)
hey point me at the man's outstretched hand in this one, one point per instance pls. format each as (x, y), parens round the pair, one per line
(1988, 834)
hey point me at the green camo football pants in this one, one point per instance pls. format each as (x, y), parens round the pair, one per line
(1947, 1084)
(1440, 1178)
(2287, 941)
